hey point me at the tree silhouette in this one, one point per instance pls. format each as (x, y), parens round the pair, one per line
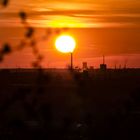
(29, 40)
(4, 2)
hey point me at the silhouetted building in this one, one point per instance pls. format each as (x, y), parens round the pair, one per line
(91, 68)
(103, 66)
(85, 67)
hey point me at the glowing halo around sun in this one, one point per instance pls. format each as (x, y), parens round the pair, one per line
(65, 44)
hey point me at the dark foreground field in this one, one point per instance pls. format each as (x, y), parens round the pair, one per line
(59, 104)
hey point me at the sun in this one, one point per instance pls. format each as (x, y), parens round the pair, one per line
(65, 44)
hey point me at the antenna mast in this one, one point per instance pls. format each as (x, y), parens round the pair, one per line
(103, 59)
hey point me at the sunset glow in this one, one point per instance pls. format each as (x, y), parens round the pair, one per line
(65, 44)
(70, 69)
(65, 21)
(110, 27)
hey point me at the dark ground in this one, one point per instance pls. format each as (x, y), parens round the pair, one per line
(59, 104)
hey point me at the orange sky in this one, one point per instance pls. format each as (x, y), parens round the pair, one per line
(110, 27)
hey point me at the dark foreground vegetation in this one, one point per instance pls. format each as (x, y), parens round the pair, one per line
(59, 104)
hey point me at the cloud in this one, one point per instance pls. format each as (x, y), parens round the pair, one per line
(109, 13)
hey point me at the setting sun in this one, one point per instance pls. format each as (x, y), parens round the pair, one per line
(65, 43)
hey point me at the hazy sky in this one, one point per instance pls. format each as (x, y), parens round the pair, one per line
(75, 13)
(110, 27)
